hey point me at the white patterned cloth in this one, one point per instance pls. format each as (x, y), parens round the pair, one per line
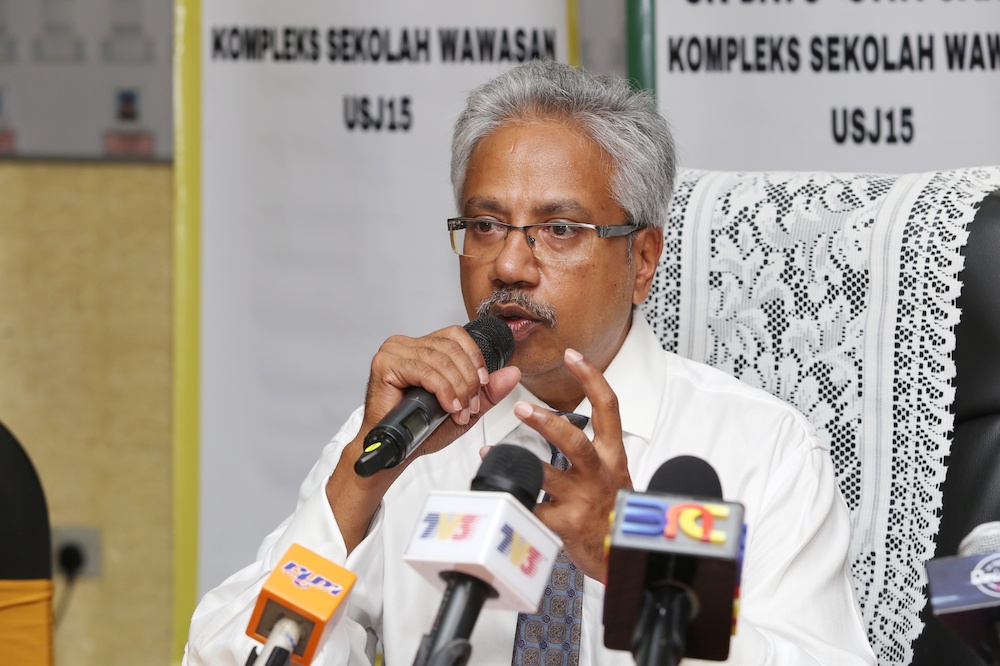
(836, 293)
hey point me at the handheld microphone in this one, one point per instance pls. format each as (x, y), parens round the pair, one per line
(409, 423)
(482, 547)
(674, 559)
(965, 590)
(302, 599)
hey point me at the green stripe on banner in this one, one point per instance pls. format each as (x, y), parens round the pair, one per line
(187, 290)
(640, 35)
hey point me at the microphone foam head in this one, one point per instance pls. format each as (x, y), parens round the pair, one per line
(495, 340)
(983, 539)
(686, 475)
(511, 469)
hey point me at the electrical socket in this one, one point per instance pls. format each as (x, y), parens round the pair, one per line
(87, 539)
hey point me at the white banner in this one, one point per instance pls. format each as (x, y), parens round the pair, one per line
(326, 132)
(842, 85)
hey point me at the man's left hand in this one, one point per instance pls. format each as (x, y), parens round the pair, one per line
(582, 497)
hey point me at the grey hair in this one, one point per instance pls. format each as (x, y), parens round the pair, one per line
(622, 121)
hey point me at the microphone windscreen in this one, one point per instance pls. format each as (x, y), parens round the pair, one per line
(686, 475)
(511, 469)
(983, 539)
(495, 340)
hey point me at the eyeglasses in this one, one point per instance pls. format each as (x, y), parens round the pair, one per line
(484, 237)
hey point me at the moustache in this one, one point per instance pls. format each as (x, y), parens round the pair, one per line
(543, 312)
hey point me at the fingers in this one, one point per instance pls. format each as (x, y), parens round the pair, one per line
(582, 496)
(447, 363)
(606, 419)
(561, 433)
(501, 383)
(607, 448)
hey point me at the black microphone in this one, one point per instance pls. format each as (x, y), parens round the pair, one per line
(674, 559)
(514, 475)
(410, 422)
(965, 590)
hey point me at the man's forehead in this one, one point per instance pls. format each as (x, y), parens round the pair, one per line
(559, 206)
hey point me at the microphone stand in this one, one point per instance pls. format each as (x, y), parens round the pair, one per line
(447, 644)
(281, 641)
(659, 639)
(278, 657)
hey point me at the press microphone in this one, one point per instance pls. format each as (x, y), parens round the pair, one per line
(482, 547)
(409, 423)
(674, 560)
(301, 600)
(280, 645)
(965, 590)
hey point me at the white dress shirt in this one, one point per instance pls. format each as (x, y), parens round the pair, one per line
(797, 603)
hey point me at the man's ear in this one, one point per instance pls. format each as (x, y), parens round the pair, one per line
(646, 251)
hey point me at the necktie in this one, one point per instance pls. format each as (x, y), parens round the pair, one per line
(551, 635)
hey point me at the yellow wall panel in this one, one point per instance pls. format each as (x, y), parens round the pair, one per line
(85, 384)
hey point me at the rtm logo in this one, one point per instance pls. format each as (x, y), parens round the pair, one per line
(305, 578)
(520, 552)
(449, 526)
(647, 516)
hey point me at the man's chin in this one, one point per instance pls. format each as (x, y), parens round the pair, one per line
(533, 364)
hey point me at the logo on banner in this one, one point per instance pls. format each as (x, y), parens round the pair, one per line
(520, 552)
(306, 578)
(449, 526)
(986, 575)
(650, 516)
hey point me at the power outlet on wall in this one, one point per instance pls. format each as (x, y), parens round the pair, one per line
(76, 549)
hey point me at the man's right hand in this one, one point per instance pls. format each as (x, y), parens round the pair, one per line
(448, 364)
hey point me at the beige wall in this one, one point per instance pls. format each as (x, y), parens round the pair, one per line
(85, 381)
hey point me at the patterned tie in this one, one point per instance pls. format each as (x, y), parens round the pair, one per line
(551, 636)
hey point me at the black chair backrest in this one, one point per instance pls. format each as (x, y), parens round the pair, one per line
(25, 538)
(971, 491)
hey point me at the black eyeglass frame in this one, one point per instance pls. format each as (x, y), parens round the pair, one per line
(603, 231)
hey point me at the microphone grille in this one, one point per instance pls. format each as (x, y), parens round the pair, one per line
(511, 469)
(686, 475)
(981, 540)
(495, 340)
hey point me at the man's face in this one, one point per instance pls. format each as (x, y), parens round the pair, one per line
(534, 171)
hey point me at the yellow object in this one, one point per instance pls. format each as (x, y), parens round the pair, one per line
(307, 588)
(26, 622)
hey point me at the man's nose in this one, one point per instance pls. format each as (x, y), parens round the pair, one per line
(516, 261)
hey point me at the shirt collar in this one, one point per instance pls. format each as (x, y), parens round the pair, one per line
(636, 375)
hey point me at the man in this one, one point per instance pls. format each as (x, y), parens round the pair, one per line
(548, 145)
